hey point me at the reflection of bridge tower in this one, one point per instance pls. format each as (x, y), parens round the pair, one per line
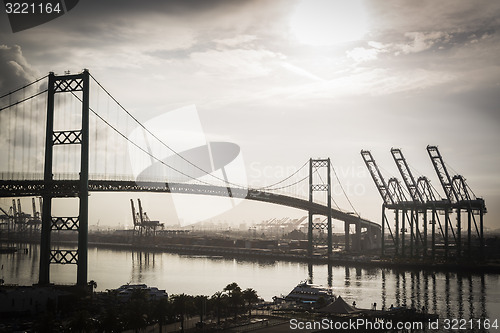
(315, 187)
(74, 84)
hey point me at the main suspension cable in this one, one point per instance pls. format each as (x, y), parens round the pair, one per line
(161, 141)
(25, 86)
(281, 181)
(140, 148)
(23, 100)
(343, 191)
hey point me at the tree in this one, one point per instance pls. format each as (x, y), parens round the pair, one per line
(218, 300)
(235, 297)
(250, 296)
(183, 305)
(81, 321)
(200, 303)
(92, 285)
(160, 310)
(137, 310)
(112, 317)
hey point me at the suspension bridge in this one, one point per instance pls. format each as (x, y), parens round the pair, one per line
(88, 144)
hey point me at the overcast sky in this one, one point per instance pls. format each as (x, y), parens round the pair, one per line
(289, 80)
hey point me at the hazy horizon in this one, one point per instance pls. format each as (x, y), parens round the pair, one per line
(286, 81)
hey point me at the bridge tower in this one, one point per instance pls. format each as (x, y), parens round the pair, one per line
(73, 84)
(316, 164)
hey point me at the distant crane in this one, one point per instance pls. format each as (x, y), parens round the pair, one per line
(35, 221)
(142, 223)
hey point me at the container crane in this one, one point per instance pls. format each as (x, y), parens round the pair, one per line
(459, 197)
(426, 190)
(392, 196)
(416, 196)
(142, 223)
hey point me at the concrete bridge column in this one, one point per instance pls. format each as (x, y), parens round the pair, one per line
(358, 237)
(346, 236)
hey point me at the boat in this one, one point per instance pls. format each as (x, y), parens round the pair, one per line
(306, 292)
(126, 291)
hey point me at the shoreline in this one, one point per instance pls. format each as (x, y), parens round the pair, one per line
(365, 262)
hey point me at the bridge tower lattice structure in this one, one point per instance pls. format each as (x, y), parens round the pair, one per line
(75, 83)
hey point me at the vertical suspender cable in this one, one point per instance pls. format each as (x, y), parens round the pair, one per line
(23, 133)
(30, 134)
(15, 139)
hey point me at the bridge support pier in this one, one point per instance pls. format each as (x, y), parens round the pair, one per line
(78, 83)
(346, 237)
(358, 236)
(316, 164)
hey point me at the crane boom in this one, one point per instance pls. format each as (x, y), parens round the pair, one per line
(14, 210)
(141, 216)
(34, 207)
(442, 172)
(405, 172)
(134, 217)
(377, 177)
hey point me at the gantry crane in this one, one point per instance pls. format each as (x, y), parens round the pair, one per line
(459, 197)
(142, 223)
(418, 202)
(422, 197)
(427, 192)
(393, 198)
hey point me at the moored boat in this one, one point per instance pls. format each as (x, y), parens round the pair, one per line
(310, 293)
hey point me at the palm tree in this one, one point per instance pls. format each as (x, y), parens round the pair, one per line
(250, 296)
(200, 303)
(112, 317)
(183, 305)
(161, 308)
(235, 296)
(93, 285)
(218, 299)
(137, 310)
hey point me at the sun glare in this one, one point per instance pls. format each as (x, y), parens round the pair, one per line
(328, 22)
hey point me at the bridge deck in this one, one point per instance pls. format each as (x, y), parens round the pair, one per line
(69, 188)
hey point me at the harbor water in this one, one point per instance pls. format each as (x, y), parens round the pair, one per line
(452, 295)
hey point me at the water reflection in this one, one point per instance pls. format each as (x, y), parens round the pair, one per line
(383, 290)
(330, 275)
(450, 295)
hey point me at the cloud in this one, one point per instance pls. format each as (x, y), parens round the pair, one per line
(15, 69)
(361, 54)
(236, 41)
(419, 41)
(235, 64)
(399, 16)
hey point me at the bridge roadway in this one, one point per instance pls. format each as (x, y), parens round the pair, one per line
(69, 188)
